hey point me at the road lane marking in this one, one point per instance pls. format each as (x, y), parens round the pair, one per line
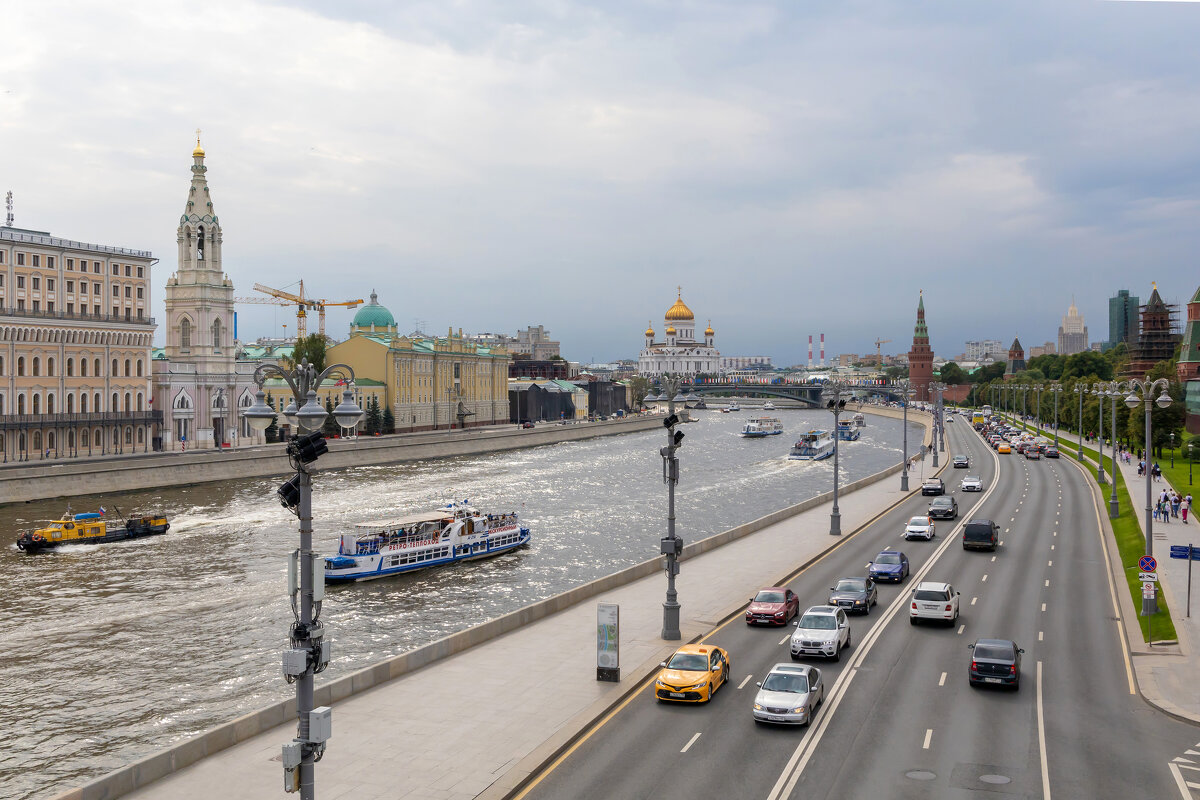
(961, 628)
(746, 680)
(984, 579)
(942, 680)
(1047, 582)
(691, 742)
(1043, 606)
(1049, 563)
(1051, 547)
(993, 558)
(973, 599)
(1041, 719)
(1039, 636)
(1180, 783)
(928, 736)
(785, 640)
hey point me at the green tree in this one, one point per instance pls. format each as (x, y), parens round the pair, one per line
(272, 431)
(640, 386)
(1163, 421)
(952, 374)
(374, 418)
(389, 420)
(894, 373)
(989, 373)
(331, 428)
(1089, 362)
(1050, 365)
(312, 347)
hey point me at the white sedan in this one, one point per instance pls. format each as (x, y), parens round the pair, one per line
(971, 483)
(919, 528)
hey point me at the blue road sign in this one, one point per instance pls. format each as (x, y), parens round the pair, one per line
(1184, 551)
(1147, 564)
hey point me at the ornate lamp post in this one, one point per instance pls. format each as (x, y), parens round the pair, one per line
(1080, 389)
(309, 653)
(1140, 393)
(836, 391)
(1024, 387)
(1115, 389)
(1100, 390)
(1037, 393)
(1056, 390)
(671, 545)
(1172, 435)
(1189, 463)
(904, 455)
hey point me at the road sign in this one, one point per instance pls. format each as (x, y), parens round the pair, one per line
(1148, 590)
(1152, 577)
(1147, 564)
(1183, 551)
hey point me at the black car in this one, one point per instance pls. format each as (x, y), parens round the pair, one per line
(933, 486)
(945, 507)
(1051, 452)
(995, 662)
(854, 594)
(981, 534)
(961, 462)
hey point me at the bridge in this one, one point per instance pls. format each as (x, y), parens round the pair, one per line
(808, 392)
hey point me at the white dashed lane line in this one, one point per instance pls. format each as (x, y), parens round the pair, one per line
(942, 680)
(784, 640)
(961, 628)
(973, 599)
(928, 737)
(1043, 606)
(745, 680)
(691, 742)
(984, 579)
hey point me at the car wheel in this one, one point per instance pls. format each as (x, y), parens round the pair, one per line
(837, 654)
(795, 657)
(710, 692)
(912, 620)
(1017, 685)
(847, 645)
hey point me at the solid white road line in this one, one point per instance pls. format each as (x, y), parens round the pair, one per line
(1041, 719)
(691, 742)
(746, 680)
(928, 736)
(973, 599)
(942, 680)
(1180, 782)
(961, 628)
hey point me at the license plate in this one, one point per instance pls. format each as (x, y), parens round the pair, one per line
(928, 607)
(676, 694)
(992, 680)
(775, 719)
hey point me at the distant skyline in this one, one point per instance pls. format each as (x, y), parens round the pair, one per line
(797, 169)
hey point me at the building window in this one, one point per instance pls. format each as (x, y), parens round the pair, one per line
(37, 305)
(128, 366)
(37, 282)
(20, 305)
(139, 293)
(70, 368)
(71, 264)
(116, 290)
(50, 367)
(96, 267)
(114, 372)
(141, 272)
(96, 289)
(49, 284)
(116, 269)
(83, 362)
(139, 368)
(200, 244)
(70, 308)
(216, 334)
(20, 259)
(20, 281)
(37, 260)
(50, 262)
(37, 366)
(96, 364)
(49, 305)
(128, 291)
(128, 270)
(70, 286)
(185, 334)
(1, 256)
(21, 366)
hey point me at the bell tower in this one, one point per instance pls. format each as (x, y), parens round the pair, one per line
(920, 358)
(199, 296)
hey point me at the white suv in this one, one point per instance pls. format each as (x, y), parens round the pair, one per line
(821, 631)
(933, 601)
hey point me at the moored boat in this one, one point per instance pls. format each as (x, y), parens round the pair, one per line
(734, 406)
(847, 432)
(453, 533)
(812, 446)
(860, 421)
(768, 406)
(762, 426)
(91, 528)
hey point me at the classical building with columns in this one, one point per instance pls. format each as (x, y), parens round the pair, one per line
(679, 352)
(200, 384)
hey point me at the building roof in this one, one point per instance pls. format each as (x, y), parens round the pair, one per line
(374, 314)
(679, 311)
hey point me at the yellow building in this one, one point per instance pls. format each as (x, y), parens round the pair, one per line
(428, 382)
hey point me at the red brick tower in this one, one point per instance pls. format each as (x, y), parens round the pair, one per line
(920, 358)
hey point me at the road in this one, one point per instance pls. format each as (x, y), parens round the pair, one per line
(900, 720)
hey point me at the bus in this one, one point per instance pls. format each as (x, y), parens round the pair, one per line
(986, 411)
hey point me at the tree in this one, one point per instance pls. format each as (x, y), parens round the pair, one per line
(272, 431)
(374, 418)
(331, 427)
(989, 373)
(894, 373)
(640, 386)
(1050, 365)
(1089, 362)
(952, 374)
(1163, 421)
(389, 420)
(312, 347)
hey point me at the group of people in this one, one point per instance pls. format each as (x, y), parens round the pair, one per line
(1155, 470)
(1172, 504)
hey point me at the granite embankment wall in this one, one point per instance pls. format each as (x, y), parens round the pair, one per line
(164, 762)
(44, 480)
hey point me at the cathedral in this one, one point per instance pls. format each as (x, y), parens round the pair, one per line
(679, 352)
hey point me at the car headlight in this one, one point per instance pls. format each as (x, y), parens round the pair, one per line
(758, 707)
(699, 685)
(779, 613)
(800, 710)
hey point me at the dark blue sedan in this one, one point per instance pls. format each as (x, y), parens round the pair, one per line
(889, 565)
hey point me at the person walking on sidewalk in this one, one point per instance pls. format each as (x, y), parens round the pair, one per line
(1184, 506)
(1175, 498)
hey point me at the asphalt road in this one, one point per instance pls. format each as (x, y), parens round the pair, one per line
(900, 720)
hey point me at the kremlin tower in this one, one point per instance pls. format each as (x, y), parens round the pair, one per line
(920, 358)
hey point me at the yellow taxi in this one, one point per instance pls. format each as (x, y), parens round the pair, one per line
(1004, 447)
(693, 674)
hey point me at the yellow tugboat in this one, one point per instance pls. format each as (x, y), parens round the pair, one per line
(91, 528)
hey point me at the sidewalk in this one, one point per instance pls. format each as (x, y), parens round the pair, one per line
(475, 724)
(1166, 673)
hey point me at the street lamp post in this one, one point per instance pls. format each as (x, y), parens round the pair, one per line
(1100, 389)
(449, 409)
(836, 391)
(1024, 388)
(1115, 389)
(1141, 392)
(938, 433)
(1172, 435)
(1189, 463)
(904, 455)
(309, 652)
(1037, 392)
(1056, 390)
(671, 545)
(1080, 389)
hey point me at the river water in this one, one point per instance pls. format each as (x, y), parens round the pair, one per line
(112, 652)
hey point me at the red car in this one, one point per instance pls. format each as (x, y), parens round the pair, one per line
(773, 605)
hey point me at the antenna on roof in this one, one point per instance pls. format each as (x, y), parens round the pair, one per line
(8, 202)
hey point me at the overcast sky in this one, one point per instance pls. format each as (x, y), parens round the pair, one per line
(798, 167)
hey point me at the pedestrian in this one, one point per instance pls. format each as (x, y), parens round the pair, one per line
(1175, 498)
(1157, 508)
(1183, 509)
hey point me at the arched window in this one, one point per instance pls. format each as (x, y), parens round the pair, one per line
(37, 403)
(37, 366)
(96, 364)
(200, 243)
(128, 366)
(70, 403)
(37, 441)
(140, 399)
(114, 372)
(83, 402)
(96, 404)
(84, 438)
(50, 367)
(116, 403)
(21, 367)
(129, 436)
(49, 404)
(139, 368)
(1, 365)
(83, 364)
(116, 436)
(185, 334)
(21, 403)
(128, 402)
(216, 334)
(70, 368)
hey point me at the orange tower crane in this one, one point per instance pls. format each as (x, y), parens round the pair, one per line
(878, 351)
(302, 303)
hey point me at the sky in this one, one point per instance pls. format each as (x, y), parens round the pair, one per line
(796, 168)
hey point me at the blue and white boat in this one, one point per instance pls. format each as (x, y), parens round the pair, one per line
(762, 426)
(812, 446)
(848, 432)
(455, 532)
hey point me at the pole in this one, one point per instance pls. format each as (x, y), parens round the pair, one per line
(835, 516)
(1057, 391)
(1100, 439)
(1114, 505)
(670, 629)
(304, 683)
(904, 455)
(1079, 449)
(1149, 604)
(1189, 595)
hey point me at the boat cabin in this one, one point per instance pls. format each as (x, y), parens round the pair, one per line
(74, 528)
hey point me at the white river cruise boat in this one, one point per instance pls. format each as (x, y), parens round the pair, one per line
(453, 533)
(847, 432)
(860, 421)
(768, 406)
(762, 426)
(812, 446)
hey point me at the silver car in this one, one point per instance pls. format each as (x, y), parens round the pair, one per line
(821, 631)
(789, 695)
(971, 483)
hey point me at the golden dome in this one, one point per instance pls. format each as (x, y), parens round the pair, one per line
(649, 330)
(199, 151)
(709, 331)
(670, 330)
(680, 311)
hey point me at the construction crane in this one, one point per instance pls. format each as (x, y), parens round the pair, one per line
(302, 303)
(878, 351)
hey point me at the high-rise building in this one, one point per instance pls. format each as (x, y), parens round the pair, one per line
(1122, 318)
(1073, 333)
(920, 358)
(983, 349)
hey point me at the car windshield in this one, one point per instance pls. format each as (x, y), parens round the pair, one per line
(942, 501)
(1000, 652)
(973, 477)
(921, 521)
(768, 597)
(786, 682)
(851, 585)
(689, 662)
(931, 594)
(887, 558)
(820, 622)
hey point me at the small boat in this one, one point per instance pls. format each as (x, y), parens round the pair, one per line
(724, 409)
(700, 404)
(768, 406)
(812, 446)
(762, 426)
(847, 432)
(734, 407)
(455, 532)
(860, 421)
(91, 528)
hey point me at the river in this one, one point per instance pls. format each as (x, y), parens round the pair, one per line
(112, 652)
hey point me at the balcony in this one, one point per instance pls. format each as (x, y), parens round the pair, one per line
(101, 418)
(74, 316)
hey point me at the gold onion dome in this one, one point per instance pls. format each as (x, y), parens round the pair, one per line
(709, 331)
(680, 311)
(649, 329)
(670, 330)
